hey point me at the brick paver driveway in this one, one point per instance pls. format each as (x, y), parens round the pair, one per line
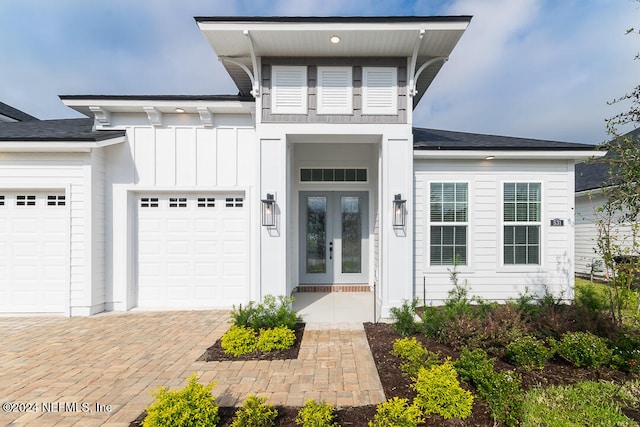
(98, 370)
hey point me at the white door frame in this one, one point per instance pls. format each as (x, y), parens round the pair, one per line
(333, 239)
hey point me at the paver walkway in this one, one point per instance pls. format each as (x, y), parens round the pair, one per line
(67, 366)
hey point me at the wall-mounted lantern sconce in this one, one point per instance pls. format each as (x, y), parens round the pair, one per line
(269, 211)
(398, 211)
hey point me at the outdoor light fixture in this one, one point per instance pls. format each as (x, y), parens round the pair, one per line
(179, 110)
(398, 211)
(490, 157)
(335, 39)
(269, 211)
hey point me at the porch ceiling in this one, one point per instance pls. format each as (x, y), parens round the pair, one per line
(232, 37)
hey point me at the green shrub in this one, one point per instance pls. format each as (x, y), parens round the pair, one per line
(239, 340)
(474, 365)
(403, 317)
(314, 414)
(626, 352)
(396, 412)
(255, 412)
(414, 356)
(433, 320)
(586, 403)
(529, 352)
(272, 312)
(584, 349)
(590, 297)
(501, 390)
(278, 338)
(438, 392)
(189, 406)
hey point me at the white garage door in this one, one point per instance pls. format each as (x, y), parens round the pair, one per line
(33, 252)
(192, 250)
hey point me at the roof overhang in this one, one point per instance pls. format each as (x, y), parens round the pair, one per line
(57, 146)
(102, 107)
(495, 155)
(240, 41)
(164, 104)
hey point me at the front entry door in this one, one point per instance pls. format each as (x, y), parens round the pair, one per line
(334, 237)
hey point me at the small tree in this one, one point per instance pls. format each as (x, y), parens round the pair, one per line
(618, 219)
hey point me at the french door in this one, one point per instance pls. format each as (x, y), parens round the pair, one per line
(334, 237)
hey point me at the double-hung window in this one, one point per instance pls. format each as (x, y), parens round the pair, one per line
(449, 223)
(522, 220)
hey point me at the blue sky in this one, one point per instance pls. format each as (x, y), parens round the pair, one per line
(531, 68)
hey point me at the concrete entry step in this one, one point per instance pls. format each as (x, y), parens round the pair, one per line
(333, 288)
(335, 307)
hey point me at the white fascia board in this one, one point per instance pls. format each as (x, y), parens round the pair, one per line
(592, 192)
(164, 106)
(506, 155)
(57, 146)
(324, 26)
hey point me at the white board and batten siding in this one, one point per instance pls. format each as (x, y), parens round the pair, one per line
(485, 272)
(46, 251)
(204, 250)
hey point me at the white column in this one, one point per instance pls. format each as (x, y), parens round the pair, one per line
(397, 243)
(273, 248)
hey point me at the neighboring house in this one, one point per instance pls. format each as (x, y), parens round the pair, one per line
(592, 178)
(311, 178)
(8, 114)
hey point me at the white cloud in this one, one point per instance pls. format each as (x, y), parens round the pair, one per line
(535, 68)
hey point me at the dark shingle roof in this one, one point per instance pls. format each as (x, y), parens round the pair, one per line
(596, 174)
(161, 97)
(56, 130)
(590, 176)
(14, 113)
(434, 139)
(333, 19)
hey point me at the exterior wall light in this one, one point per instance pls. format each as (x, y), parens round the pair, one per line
(269, 211)
(335, 39)
(398, 211)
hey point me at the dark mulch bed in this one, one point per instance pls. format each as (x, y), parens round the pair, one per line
(215, 353)
(356, 416)
(381, 337)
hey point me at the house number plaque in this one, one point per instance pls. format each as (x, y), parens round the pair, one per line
(557, 222)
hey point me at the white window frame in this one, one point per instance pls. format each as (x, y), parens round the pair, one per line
(465, 224)
(368, 92)
(277, 90)
(339, 92)
(539, 223)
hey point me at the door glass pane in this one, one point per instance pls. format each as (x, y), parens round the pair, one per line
(351, 234)
(316, 234)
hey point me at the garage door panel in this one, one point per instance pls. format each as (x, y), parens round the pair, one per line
(192, 243)
(233, 225)
(206, 225)
(177, 225)
(204, 248)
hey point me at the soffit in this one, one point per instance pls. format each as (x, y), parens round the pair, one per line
(358, 38)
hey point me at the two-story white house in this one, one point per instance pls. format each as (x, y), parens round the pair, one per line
(312, 177)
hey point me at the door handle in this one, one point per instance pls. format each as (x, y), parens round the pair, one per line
(330, 250)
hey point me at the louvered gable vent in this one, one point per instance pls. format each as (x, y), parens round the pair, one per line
(289, 90)
(379, 90)
(335, 90)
